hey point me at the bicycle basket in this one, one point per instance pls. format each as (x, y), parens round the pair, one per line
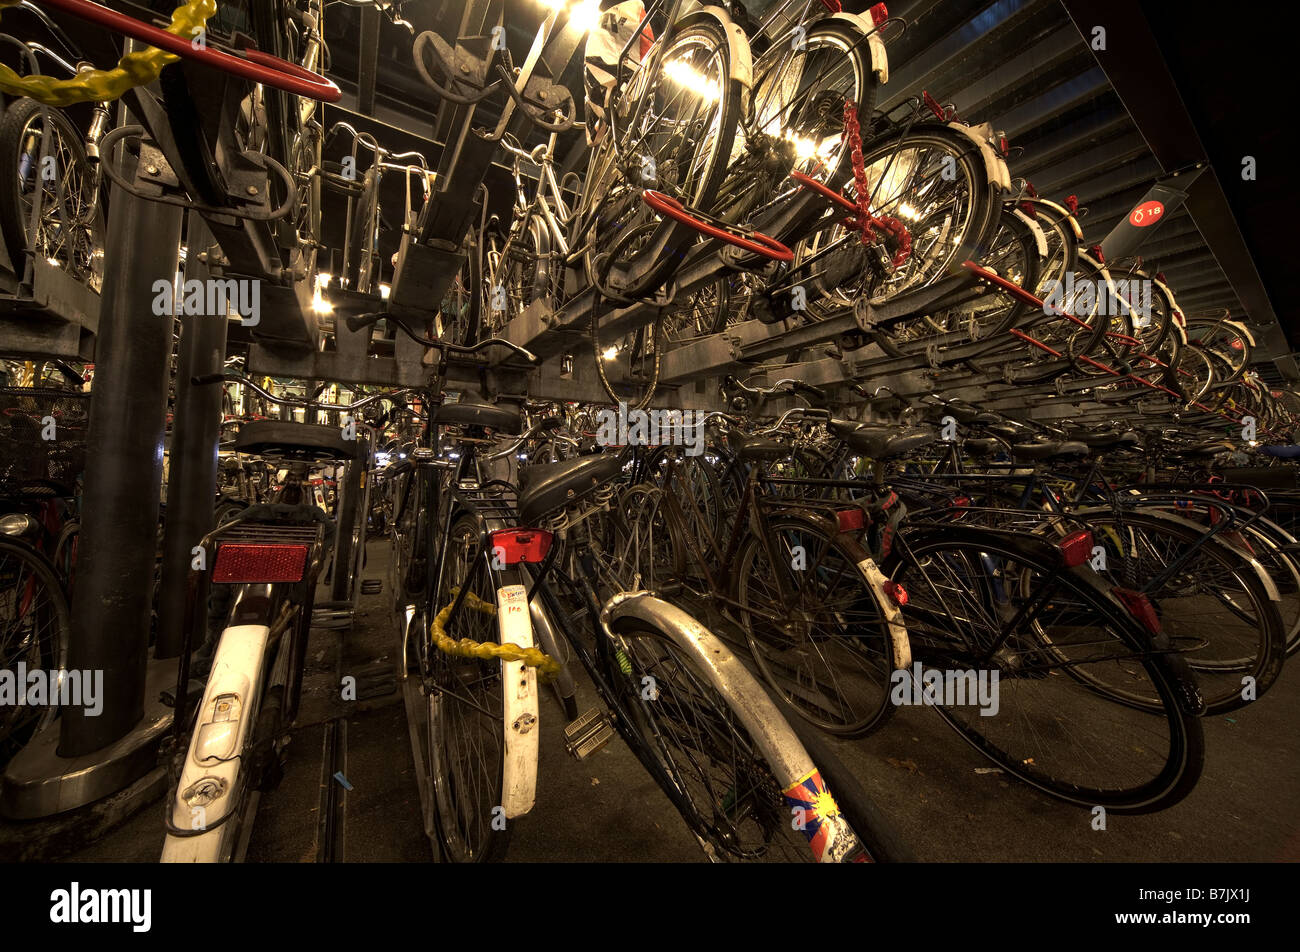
(42, 440)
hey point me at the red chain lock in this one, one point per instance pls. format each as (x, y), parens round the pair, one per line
(867, 222)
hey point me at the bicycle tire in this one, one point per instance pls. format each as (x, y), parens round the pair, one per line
(1149, 762)
(671, 237)
(466, 699)
(822, 689)
(1219, 678)
(14, 219)
(33, 607)
(745, 815)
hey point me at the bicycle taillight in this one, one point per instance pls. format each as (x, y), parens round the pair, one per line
(239, 562)
(512, 546)
(1076, 547)
(850, 520)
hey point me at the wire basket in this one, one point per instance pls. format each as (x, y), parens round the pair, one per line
(42, 440)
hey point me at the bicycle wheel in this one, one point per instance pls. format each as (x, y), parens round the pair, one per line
(71, 230)
(798, 120)
(34, 631)
(934, 181)
(1058, 685)
(466, 732)
(731, 764)
(1209, 598)
(814, 626)
(679, 135)
(1012, 253)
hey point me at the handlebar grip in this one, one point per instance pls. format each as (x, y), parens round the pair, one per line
(203, 379)
(358, 321)
(814, 395)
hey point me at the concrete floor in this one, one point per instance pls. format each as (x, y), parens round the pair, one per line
(945, 803)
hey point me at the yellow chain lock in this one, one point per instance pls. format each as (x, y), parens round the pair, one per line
(105, 85)
(547, 667)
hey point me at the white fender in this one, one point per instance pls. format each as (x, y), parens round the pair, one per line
(893, 614)
(1040, 239)
(742, 63)
(1064, 212)
(222, 725)
(996, 168)
(519, 692)
(879, 58)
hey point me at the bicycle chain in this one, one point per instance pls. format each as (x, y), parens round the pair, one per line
(867, 222)
(547, 667)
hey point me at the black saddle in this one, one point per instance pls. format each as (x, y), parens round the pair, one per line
(881, 442)
(1059, 450)
(756, 449)
(473, 410)
(284, 439)
(1109, 439)
(545, 487)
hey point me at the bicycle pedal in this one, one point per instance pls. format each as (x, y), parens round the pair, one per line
(588, 734)
(372, 586)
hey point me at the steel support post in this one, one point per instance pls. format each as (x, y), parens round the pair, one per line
(192, 474)
(124, 453)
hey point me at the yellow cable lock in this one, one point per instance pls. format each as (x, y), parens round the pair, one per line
(547, 667)
(105, 85)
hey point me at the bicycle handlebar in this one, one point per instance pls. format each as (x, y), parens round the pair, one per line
(357, 321)
(205, 379)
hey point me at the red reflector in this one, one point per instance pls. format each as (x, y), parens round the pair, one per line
(1140, 607)
(1072, 203)
(961, 501)
(260, 562)
(851, 520)
(879, 14)
(1076, 547)
(1096, 253)
(897, 594)
(513, 546)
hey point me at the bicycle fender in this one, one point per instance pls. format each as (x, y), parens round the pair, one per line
(892, 613)
(1040, 240)
(519, 699)
(993, 164)
(1266, 580)
(1064, 213)
(741, 66)
(879, 58)
(223, 723)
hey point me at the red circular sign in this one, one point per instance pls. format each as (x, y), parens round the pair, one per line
(1148, 213)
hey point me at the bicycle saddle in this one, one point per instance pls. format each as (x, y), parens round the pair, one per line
(964, 413)
(545, 487)
(473, 410)
(1281, 452)
(981, 447)
(283, 439)
(881, 441)
(756, 449)
(1056, 450)
(1109, 439)
(1202, 450)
